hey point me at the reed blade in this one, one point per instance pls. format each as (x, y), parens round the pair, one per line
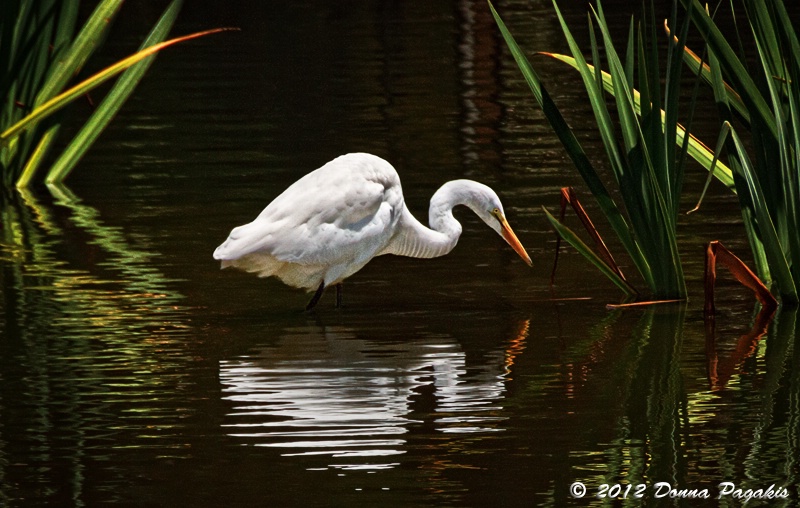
(735, 70)
(697, 150)
(716, 252)
(774, 252)
(573, 148)
(111, 104)
(570, 237)
(61, 100)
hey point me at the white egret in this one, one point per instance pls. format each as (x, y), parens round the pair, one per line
(333, 221)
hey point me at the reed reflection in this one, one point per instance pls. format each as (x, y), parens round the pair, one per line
(738, 425)
(329, 391)
(720, 371)
(92, 350)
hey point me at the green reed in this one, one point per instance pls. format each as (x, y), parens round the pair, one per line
(645, 146)
(40, 54)
(760, 109)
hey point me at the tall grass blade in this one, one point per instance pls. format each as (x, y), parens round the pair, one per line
(618, 160)
(775, 254)
(716, 252)
(639, 140)
(569, 197)
(597, 101)
(37, 156)
(676, 160)
(696, 149)
(734, 69)
(573, 148)
(80, 50)
(67, 64)
(32, 35)
(61, 100)
(628, 121)
(792, 175)
(723, 99)
(702, 69)
(111, 104)
(643, 173)
(644, 188)
(574, 240)
(788, 34)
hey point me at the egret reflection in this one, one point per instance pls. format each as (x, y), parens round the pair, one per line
(326, 391)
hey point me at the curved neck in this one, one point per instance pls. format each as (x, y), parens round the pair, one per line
(413, 239)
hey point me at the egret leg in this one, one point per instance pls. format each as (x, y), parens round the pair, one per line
(339, 295)
(314, 299)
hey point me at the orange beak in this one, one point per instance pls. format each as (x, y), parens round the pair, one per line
(511, 238)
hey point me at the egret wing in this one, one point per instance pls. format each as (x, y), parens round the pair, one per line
(338, 211)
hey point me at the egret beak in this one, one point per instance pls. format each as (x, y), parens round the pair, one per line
(509, 236)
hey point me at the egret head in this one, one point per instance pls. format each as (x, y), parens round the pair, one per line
(485, 203)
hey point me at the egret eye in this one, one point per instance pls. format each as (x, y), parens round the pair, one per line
(496, 213)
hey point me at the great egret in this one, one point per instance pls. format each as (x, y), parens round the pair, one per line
(333, 221)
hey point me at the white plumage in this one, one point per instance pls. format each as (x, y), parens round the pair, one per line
(330, 223)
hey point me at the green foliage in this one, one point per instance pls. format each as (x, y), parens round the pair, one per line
(696, 149)
(38, 57)
(589, 254)
(762, 99)
(640, 145)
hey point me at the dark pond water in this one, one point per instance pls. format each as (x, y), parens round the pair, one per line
(134, 372)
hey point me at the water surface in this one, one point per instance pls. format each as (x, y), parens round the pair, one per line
(134, 372)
